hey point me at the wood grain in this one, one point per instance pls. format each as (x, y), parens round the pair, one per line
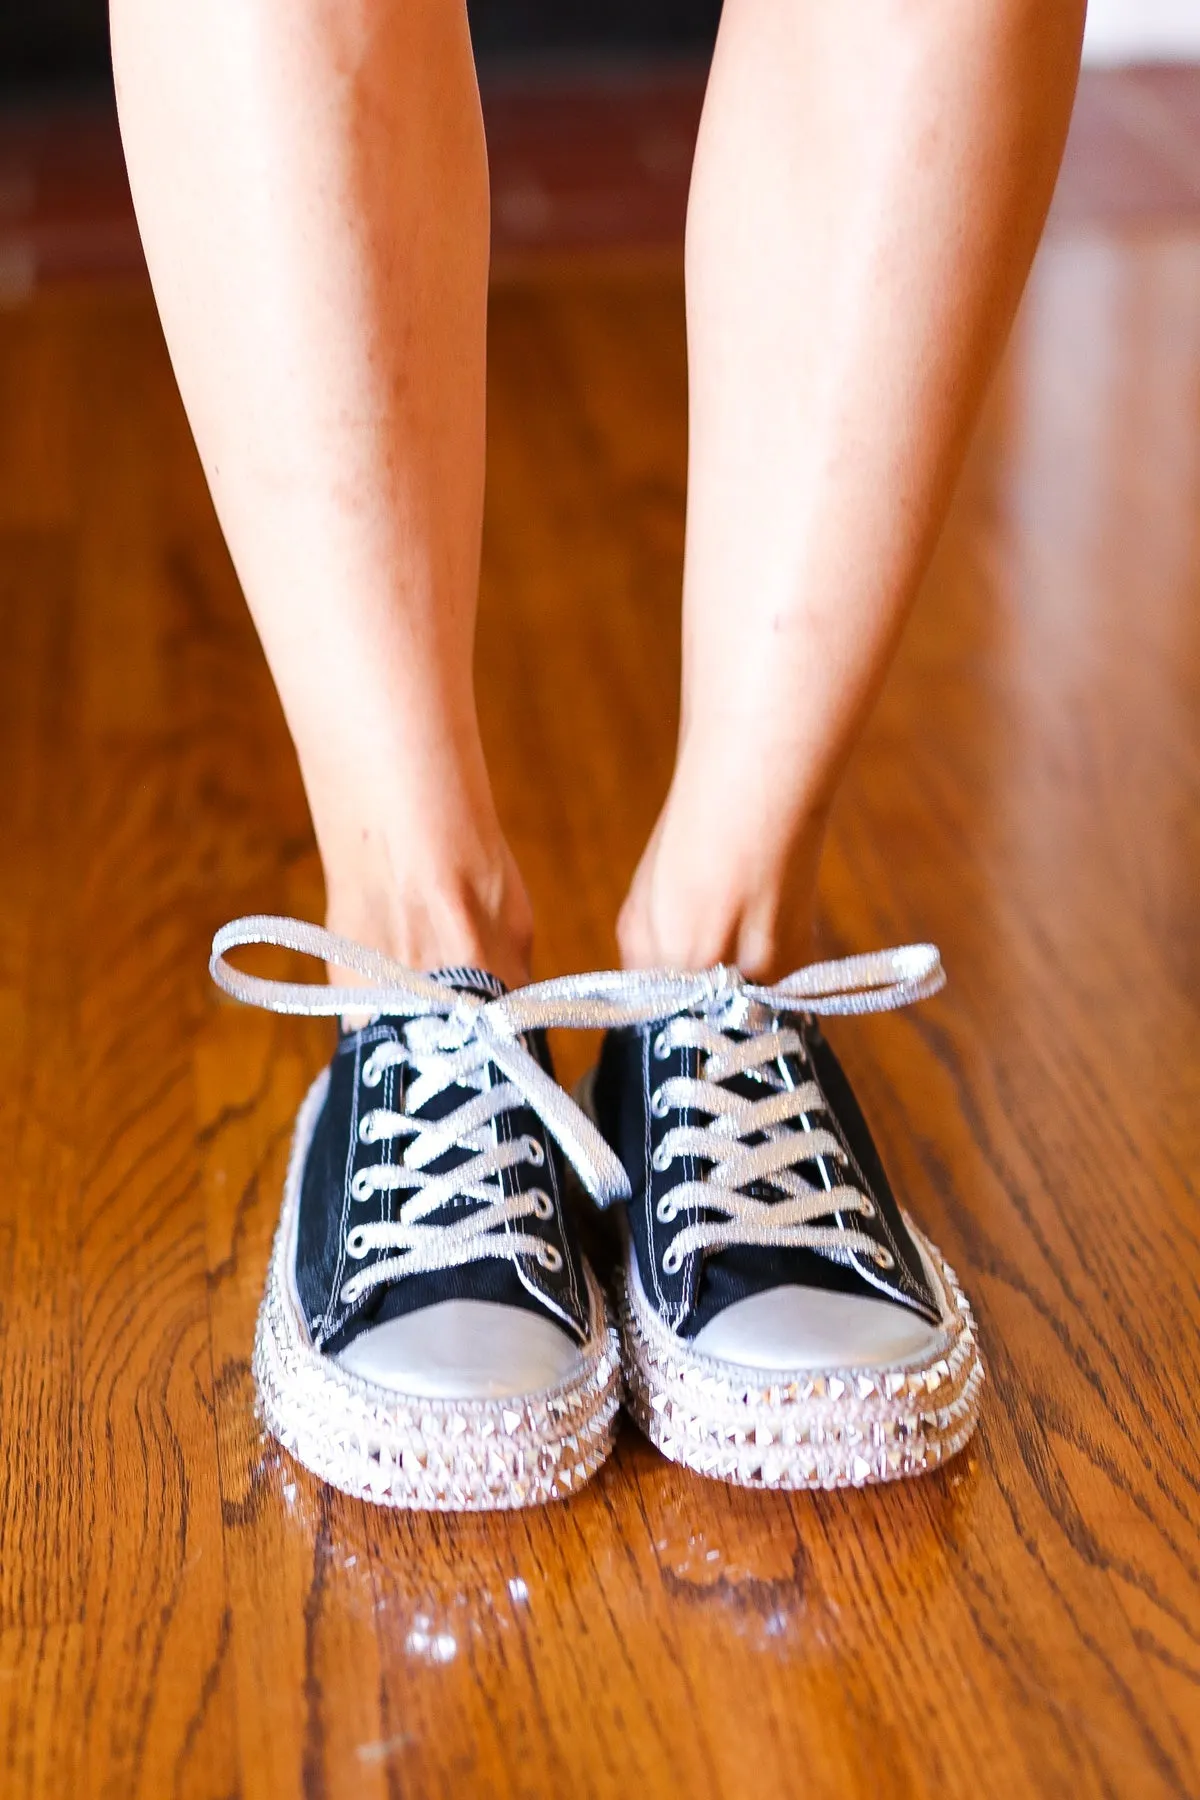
(185, 1612)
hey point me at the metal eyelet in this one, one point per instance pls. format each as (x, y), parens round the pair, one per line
(666, 1212)
(534, 1152)
(867, 1209)
(372, 1074)
(356, 1244)
(658, 1104)
(550, 1258)
(366, 1128)
(362, 1187)
(543, 1205)
(661, 1047)
(349, 1293)
(884, 1258)
(661, 1159)
(672, 1261)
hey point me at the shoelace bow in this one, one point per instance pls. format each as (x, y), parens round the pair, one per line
(458, 1034)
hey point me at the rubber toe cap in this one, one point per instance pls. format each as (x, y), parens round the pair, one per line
(464, 1350)
(812, 1328)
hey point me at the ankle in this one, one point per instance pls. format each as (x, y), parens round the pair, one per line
(476, 914)
(704, 894)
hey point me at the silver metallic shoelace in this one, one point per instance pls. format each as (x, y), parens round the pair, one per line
(438, 1060)
(782, 1122)
(452, 1038)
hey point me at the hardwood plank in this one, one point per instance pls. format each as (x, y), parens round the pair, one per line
(159, 1695)
(42, 1567)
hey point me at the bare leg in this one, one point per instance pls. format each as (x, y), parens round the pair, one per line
(311, 184)
(869, 188)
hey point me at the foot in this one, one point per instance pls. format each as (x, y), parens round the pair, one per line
(431, 1334)
(784, 1323)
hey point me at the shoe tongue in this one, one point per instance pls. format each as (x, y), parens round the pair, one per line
(754, 1083)
(471, 981)
(463, 980)
(749, 1085)
(482, 986)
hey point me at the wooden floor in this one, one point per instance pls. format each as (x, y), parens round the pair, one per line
(183, 1611)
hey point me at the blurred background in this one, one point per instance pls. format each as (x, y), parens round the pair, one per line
(592, 112)
(53, 40)
(50, 39)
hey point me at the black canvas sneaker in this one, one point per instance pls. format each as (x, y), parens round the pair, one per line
(783, 1321)
(431, 1335)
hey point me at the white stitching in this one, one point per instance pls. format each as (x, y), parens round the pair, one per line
(649, 1202)
(334, 1307)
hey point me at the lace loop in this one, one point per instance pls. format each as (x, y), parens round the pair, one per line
(465, 1020)
(878, 981)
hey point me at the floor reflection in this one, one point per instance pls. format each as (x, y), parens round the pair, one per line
(659, 1546)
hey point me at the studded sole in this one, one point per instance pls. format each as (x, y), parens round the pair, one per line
(407, 1451)
(808, 1429)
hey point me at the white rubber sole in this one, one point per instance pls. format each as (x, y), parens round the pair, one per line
(408, 1451)
(802, 1428)
(808, 1428)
